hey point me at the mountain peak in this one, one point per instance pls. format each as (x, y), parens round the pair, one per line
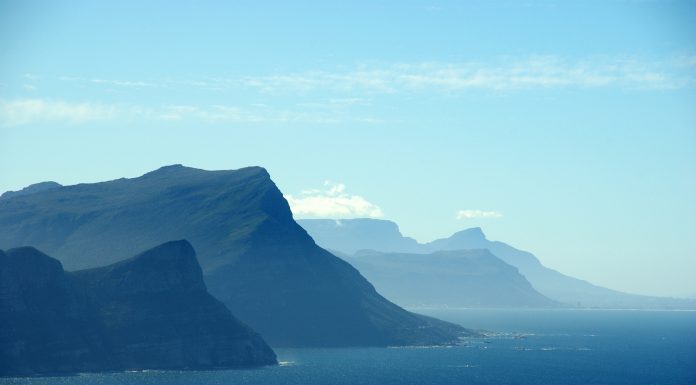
(180, 249)
(31, 189)
(32, 261)
(256, 169)
(351, 235)
(169, 266)
(473, 233)
(169, 170)
(174, 170)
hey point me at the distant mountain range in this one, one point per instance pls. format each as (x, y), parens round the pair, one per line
(458, 278)
(254, 256)
(151, 311)
(348, 236)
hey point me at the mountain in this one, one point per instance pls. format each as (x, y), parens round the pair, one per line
(352, 235)
(48, 324)
(552, 284)
(30, 189)
(151, 311)
(459, 278)
(254, 256)
(159, 314)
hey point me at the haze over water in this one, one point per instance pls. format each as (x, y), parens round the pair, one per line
(531, 347)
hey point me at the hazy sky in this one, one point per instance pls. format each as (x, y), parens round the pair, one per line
(564, 128)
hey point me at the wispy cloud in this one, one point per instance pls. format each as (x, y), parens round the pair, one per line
(339, 96)
(495, 75)
(478, 214)
(112, 82)
(24, 111)
(332, 202)
(254, 113)
(505, 74)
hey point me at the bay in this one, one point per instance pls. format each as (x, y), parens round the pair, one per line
(521, 347)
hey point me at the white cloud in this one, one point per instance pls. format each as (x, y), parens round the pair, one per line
(112, 82)
(332, 202)
(506, 73)
(176, 112)
(243, 114)
(356, 87)
(18, 112)
(478, 214)
(24, 111)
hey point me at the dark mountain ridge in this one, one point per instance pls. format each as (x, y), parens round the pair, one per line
(31, 189)
(151, 311)
(254, 257)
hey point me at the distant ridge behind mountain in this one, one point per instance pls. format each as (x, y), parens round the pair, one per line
(352, 235)
(254, 256)
(458, 278)
(559, 287)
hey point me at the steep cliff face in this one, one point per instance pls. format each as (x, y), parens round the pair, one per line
(158, 314)
(254, 257)
(48, 323)
(305, 296)
(148, 312)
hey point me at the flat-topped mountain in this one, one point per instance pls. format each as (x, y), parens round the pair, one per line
(345, 237)
(151, 311)
(351, 235)
(254, 257)
(458, 278)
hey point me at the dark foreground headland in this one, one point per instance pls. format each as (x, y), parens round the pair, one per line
(151, 311)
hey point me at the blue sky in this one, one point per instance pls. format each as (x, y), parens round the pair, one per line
(564, 128)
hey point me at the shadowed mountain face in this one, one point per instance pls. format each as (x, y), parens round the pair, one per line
(255, 258)
(148, 312)
(559, 287)
(48, 323)
(460, 278)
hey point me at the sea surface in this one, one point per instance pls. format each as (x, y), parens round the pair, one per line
(546, 347)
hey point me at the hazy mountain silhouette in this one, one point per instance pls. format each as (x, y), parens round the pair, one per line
(351, 235)
(151, 311)
(459, 278)
(255, 258)
(346, 236)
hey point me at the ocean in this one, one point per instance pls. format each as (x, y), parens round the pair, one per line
(542, 347)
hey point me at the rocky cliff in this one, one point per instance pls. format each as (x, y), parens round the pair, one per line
(151, 311)
(255, 258)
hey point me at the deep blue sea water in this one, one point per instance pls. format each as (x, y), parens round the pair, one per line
(528, 347)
